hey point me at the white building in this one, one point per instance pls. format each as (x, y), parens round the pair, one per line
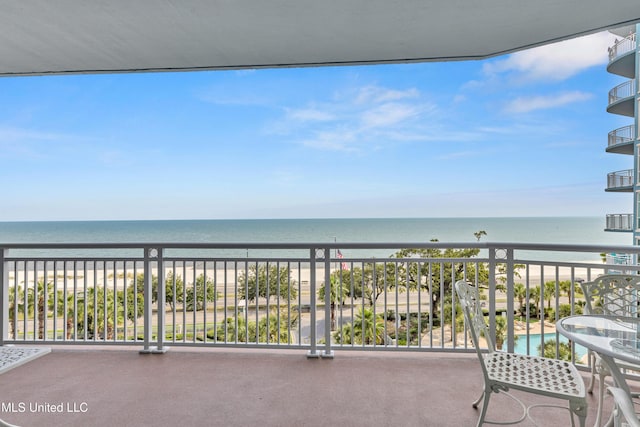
(624, 99)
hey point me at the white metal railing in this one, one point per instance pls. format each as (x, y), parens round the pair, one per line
(622, 135)
(274, 295)
(620, 179)
(619, 222)
(623, 90)
(622, 46)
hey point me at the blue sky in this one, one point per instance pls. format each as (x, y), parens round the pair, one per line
(517, 135)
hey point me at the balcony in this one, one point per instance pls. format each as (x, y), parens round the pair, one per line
(619, 222)
(620, 181)
(303, 361)
(622, 59)
(621, 99)
(265, 295)
(621, 140)
(264, 388)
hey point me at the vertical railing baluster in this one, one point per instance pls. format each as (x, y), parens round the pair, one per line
(147, 314)
(492, 291)
(328, 353)
(4, 297)
(510, 301)
(313, 351)
(160, 335)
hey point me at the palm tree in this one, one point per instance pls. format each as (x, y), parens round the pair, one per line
(550, 292)
(520, 292)
(564, 350)
(100, 312)
(534, 294)
(366, 329)
(276, 330)
(19, 303)
(338, 293)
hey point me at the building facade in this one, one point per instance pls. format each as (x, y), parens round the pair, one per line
(624, 100)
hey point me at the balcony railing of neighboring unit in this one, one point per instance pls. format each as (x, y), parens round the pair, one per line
(620, 179)
(623, 46)
(380, 297)
(623, 135)
(623, 90)
(619, 222)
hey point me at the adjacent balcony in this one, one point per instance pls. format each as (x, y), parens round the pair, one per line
(619, 222)
(621, 99)
(620, 181)
(622, 59)
(621, 140)
(278, 334)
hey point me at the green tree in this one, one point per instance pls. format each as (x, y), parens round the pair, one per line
(173, 289)
(566, 286)
(550, 292)
(102, 313)
(564, 350)
(276, 329)
(263, 282)
(366, 329)
(235, 328)
(438, 278)
(338, 293)
(479, 234)
(534, 295)
(501, 332)
(371, 281)
(520, 293)
(199, 293)
(135, 301)
(138, 284)
(18, 305)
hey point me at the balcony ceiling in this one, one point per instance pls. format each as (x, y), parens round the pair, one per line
(103, 36)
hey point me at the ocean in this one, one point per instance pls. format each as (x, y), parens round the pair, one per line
(569, 230)
(576, 230)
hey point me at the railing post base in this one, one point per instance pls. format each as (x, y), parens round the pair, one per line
(327, 355)
(312, 355)
(154, 350)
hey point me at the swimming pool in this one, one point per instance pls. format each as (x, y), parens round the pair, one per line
(534, 341)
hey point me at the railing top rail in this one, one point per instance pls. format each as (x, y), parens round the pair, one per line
(624, 172)
(623, 129)
(334, 245)
(629, 84)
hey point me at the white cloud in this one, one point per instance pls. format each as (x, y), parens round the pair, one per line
(309, 114)
(532, 103)
(557, 61)
(366, 116)
(376, 94)
(388, 114)
(332, 141)
(17, 134)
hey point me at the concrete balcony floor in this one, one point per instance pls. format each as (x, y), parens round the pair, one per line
(228, 387)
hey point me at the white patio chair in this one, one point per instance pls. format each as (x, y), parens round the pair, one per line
(624, 411)
(614, 295)
(504, 371)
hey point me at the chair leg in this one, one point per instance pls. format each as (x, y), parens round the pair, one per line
(478, 400)
(601, 387)
(580, 409)
(486, 395)
(592, 362)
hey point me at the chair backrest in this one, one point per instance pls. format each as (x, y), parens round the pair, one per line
(612, 294)
(469, 298)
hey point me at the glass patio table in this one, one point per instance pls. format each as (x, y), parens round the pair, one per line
(614, 338)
